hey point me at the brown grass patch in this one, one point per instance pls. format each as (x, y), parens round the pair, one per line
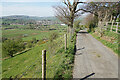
(109, 39)
(106, 38)
(34, 33)
(43, 31)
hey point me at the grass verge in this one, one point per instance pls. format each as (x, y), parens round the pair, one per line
(59, 62)
(113, 43)
(66, 68)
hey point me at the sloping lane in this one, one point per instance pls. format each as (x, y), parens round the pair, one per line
(94, 59)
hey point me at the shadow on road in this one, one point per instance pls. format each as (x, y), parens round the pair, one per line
(79, 54)
(80, 48)
(83, 32)
(87, 76)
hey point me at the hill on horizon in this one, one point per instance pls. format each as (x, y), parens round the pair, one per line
(25, 17)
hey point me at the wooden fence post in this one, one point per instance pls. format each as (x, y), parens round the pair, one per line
(43, 64)
(65, 41)
(112, 25)
(106, 25)
(117, 27)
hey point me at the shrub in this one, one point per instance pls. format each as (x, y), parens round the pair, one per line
(99, 30)
(53, 36)
(42, 42)
(4, 38)
(29, 44)
(34, 40)
(77, 30)
(10, 47)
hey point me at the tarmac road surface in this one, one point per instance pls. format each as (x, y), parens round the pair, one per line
(93, 59)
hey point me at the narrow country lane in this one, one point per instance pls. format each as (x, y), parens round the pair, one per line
(93, 59)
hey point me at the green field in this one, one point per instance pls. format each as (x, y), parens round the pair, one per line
(55, 55)
(31, 33)
(16, 33)
(57, 58)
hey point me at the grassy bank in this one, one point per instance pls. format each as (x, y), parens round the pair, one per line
(28, 38)
(66, 68)
(109, 39)
(28, 64)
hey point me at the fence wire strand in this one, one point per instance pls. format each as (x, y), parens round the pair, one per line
(53, 47)
(28, 68)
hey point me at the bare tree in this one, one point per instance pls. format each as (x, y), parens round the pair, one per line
(88, 19)
(103, 10)
(67, 13)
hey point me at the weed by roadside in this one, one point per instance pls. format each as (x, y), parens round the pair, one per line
(112, 43)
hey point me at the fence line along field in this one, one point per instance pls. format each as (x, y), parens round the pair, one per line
(27, 38)
(27, 63)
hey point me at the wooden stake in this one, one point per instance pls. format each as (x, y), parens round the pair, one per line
(117, 27)
(106, 25)
(112, 25)
(43, 64)
(65, 41)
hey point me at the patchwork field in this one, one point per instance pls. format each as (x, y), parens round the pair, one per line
(28, 34)
(27, 64)
(17, 65)
(25, 34)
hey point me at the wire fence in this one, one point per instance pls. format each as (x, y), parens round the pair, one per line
(53, 61)
(28, 68)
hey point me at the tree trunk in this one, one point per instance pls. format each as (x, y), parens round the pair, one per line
(70, 32)
(111, 18)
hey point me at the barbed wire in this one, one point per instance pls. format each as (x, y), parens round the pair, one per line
(37, 70)
(59, 63)
(29, 68)
(53, 50)
(50, 57)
